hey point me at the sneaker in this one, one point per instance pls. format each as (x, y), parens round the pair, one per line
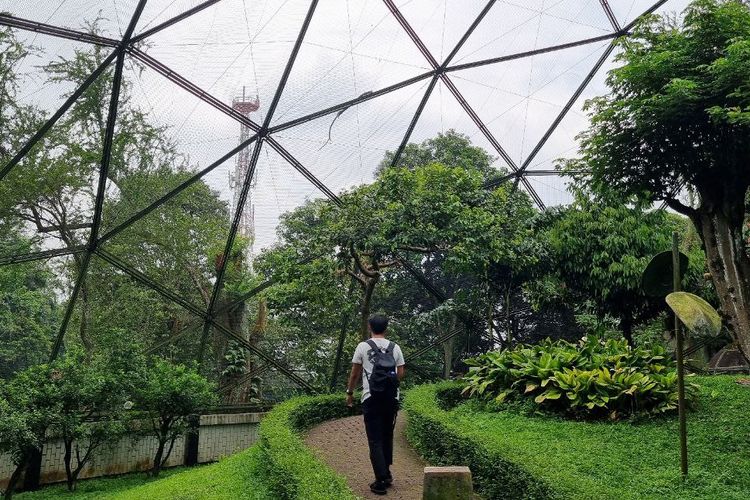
(388, 481)
(378, 487)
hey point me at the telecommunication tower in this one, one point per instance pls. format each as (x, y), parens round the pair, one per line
(246, 106)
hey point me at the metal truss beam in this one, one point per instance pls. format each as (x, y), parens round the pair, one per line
(304, 171)
(414, 120)
(610, 15)
(351, 102)
(245, 377)
(56, 31)
(71, 306)
(174, 192)
(263, 355)
(645, 13)
(142, 278)
(57, 115)
(439, 70)
(457, 94)
(42, 255)
(602, 59)
(174, 20)
(522, 172)
(262, 133)
(106, 159)
(171, 296)
(535, 52)
(234, 228)
(219, 105)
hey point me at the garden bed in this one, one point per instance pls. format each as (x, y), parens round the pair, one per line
(518, 456)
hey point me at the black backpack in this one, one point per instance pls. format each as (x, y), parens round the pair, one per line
(383, 379)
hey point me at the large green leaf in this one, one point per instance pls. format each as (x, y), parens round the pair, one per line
(657, 279)
(698, 316)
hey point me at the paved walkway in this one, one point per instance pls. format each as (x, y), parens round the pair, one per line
(343, 446)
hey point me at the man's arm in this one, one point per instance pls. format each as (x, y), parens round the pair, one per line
(400, 372)
(354, 375)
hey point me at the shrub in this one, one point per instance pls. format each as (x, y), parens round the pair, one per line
(521, 456)
(441, 442)
(593, 379)
(290, 468)
(169, 394)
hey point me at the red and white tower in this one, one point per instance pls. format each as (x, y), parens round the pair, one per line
(246, 106)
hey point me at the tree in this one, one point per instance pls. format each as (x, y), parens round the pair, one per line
(168, 394)
(678, 118)
(92, 394)
(598, 253)
(28, 309)
(52, 190)
(451, 148)
(430, 210)
(15, 438)
(29, 406)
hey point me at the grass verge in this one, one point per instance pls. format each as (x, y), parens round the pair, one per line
(518, 456)
(235, 477)
(280, 466)
(291, 470)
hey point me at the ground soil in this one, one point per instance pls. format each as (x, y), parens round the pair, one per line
(343, 446)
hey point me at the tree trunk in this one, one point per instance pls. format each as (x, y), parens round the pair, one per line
(68, 457)
(448, 352)
(729, 264)
(626, 324)
(158, 458)
(366, 304)
(14, 478)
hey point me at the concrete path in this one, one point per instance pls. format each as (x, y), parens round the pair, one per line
(343, 446)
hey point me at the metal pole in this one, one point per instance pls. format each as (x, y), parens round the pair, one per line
(680, 361)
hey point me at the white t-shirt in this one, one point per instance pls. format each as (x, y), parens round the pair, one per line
(363, 356)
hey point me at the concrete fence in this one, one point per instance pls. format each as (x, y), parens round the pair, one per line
(219, 435)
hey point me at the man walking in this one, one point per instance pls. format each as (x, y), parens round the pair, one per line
(383, 364)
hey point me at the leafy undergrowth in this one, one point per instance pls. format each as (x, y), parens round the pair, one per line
(517, 456)
(235, 477)
(591, 379)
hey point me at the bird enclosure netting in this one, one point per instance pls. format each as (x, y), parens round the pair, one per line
(150, 149)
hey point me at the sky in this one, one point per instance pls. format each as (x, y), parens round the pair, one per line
(351, 47)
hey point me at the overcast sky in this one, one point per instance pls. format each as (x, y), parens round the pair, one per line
(350, 48)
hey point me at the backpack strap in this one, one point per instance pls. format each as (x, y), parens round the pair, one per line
(391, 347)
(372, 344)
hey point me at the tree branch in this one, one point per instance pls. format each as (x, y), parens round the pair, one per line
(366, 271)
(356, 277)
(680, 207)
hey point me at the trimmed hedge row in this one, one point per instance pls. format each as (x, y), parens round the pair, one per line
(290, 469)
(517, 454)
(441, 442)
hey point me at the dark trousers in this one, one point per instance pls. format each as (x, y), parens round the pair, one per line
(380, 419)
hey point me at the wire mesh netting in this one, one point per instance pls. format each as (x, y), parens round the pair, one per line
(156, 145)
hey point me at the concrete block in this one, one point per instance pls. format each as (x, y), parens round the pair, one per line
(447, 483)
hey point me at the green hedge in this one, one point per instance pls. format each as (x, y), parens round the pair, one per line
(441, 442)
(514, 455)
(290, 469)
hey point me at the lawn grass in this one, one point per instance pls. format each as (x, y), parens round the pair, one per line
(623, 460)
(235, 477)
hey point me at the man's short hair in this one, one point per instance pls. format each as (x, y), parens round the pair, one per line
(378, 323)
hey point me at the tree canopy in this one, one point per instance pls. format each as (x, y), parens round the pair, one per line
(677, 119)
